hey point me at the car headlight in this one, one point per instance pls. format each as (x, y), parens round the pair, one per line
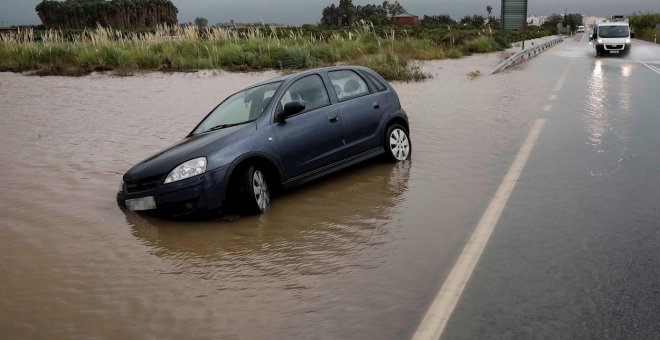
(187, 169)
(600, 40)
(627, 40)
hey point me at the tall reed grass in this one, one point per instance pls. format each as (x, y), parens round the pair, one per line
(186, 48)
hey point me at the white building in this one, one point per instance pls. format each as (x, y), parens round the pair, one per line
(534, 20)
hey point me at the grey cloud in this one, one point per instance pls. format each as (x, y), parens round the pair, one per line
(16, 12)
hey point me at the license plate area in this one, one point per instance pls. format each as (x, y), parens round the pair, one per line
(614, 52)
(142, 203)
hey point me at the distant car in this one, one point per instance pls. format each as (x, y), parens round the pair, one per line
(580, 29)
(276, 134)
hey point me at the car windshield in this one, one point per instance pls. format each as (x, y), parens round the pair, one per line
(240, 108)
(613, 31)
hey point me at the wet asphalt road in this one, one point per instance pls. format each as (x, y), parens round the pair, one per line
(576, 252)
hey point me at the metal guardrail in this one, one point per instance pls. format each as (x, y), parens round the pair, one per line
(526, 54)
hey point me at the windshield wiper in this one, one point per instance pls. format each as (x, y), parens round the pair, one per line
(222, 126)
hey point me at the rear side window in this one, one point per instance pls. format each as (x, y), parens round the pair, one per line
(348, 84)
(310, 90)
(377, 83)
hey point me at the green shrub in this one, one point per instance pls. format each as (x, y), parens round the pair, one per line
(392, 67)
(297, 57)
(644, 25)
(231, 55)
(322, 52)
(482, 44)
(454, 53)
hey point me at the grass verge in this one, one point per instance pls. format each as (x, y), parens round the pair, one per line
(187, 48)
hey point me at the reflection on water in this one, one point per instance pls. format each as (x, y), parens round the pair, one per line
(597, 124)
(608, 105)
(625, 92)
(281, 244)
(357, 254)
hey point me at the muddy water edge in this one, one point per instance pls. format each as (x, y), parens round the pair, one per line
(356, 255)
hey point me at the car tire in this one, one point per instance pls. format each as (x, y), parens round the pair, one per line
(253, 191)
(397, 144)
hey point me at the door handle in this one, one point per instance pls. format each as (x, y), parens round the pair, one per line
(333, 118)
(376, 105)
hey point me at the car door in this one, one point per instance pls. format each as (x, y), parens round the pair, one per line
(312, 138)
(360, 110)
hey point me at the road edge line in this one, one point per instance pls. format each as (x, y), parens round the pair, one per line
(653, 68)
(442, 307)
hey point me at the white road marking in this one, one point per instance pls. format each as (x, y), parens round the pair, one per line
(552, 97)
(443, 305)
(652, 67)
(547, 108)
(562, 78)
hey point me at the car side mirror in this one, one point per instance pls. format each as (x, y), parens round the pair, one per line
(632, 35)
(290, 109)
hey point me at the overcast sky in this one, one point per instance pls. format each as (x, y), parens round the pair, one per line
(19, 12)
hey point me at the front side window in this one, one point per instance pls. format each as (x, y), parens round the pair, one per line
(240, 108)
(310, 90)
(348, 84)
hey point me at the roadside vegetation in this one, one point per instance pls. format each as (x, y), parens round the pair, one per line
(644, 25)
(346, 35)
(391, 52)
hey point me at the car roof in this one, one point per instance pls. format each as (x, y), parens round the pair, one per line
(310, 71)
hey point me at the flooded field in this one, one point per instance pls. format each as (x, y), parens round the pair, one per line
(356, 255)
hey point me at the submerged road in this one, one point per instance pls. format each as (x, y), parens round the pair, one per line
(575, 253)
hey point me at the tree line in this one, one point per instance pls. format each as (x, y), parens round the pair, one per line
(568, 20)
(115, 13)
(346, 13)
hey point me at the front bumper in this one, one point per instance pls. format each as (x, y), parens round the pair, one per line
(622, 48)
(201, 194)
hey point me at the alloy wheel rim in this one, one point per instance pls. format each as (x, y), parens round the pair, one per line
(260, 187)
(399, 144)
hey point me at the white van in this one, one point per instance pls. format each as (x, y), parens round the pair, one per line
(612, 37)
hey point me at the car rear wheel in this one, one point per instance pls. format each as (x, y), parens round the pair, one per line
(397, 143)
(254, 191)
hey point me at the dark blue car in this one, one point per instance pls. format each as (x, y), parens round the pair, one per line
(273, 135)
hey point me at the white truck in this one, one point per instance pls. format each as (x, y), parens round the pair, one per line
(612, 37)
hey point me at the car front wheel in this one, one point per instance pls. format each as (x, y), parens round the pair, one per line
(254, 192)
(599, 51)
(397, 143)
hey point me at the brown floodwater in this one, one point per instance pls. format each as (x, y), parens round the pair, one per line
(356, 255)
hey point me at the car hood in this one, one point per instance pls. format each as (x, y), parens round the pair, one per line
(201, 145)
